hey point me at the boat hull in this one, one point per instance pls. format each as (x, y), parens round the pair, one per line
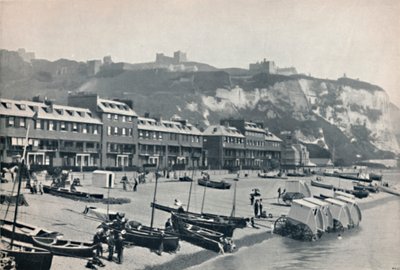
(26, 256)
(24, 232)
(67, 193)
(214, 184)
(238, 222)
(65, 247)
(225, 228)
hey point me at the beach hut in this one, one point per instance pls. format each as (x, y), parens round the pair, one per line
(294, 189)
(103, 179)
(340, 213)
(355, 212)
(304, 221)
(325, 210)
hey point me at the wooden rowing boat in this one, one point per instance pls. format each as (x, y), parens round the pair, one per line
(65, 247)
(67, 193)
(209, 223)
(144, 236)
(199, 236)
(356, 178)
(239, 222)
(26, 256)
(321, 185)
(214, 184)
(24, 232)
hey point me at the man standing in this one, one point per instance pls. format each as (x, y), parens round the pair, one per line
(119, 247)
(135, 185)
(260, 206)
(110, 242)
(256, 208)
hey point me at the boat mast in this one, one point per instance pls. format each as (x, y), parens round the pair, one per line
(21, 165)
(191, 182)
(204, 196)
(154, 201)
(234, 198)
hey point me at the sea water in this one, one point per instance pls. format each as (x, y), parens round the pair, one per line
(375, 244)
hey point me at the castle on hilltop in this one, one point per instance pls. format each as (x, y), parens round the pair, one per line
(269, 67)
(178, 58)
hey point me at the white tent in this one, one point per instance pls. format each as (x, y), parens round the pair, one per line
(325, 210)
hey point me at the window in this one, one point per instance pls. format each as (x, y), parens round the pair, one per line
(84, 128)
(38, 124)
(22, 107)
(108, 131)
(115, 116)
(74, 127)
(160, 136)
(109, 116)
(129, 118)
(130, 132)
(22, 122)
(63, 126)
(10, 121)
(123, 118)
(140, 134)
(51, 125)
(123, 131)
(95, 130)
(115, 130)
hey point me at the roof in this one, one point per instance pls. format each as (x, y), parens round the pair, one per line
(271, 137)
(250, 126)
(336, 202)
(346, 199)
(305, 203)
(315, 201)
(30, 109)
(167, 126)
(115, 107)
(218, 130)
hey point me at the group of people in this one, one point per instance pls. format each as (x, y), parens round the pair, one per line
(113, 236)
(258, 208)
(125, 183)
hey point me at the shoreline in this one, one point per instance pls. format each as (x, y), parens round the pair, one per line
(65, 215)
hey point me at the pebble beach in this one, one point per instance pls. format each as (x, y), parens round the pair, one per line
(66, 215)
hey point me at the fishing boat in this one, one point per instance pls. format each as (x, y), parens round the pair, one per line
(152, 238)
(26, 256)
(65, 247)
(63, 192)
(372, 189)
(375, 176)
(23, 231)
(202, 237)
(185, 179)
(270, 174)
(358, 177)
(321, 184)
(214, 184)
(146, 236)
(239, 222)
(225, 228)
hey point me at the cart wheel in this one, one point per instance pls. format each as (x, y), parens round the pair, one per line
(280, 226)
(303, 232)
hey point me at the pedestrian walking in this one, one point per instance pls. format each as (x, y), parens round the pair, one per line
(40, 187)
(135, 185)
(260, 207)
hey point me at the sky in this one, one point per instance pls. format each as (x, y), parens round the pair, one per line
(324, 38)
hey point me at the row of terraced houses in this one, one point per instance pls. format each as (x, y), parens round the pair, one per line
(96, 132)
